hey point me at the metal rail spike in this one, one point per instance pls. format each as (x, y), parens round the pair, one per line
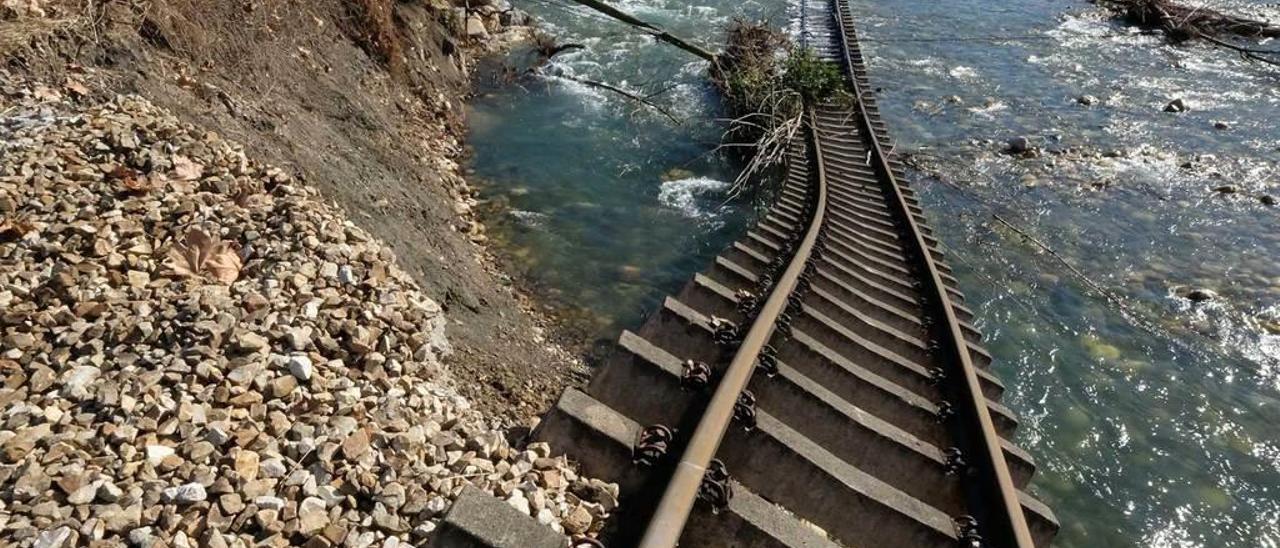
(652, 445)
(715, 488)
(696, 376)
(744, 410)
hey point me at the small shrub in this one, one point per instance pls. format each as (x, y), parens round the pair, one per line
(766, 83)
(814, 79)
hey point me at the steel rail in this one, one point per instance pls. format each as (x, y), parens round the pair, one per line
(1019, 533)
(677, 501)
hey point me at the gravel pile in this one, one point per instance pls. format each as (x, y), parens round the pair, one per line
(196, 350)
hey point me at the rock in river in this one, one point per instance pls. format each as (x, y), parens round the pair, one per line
(1200, 295)
(1019, 145)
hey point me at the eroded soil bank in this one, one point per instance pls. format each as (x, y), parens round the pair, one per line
(362, 99)
(244, 300)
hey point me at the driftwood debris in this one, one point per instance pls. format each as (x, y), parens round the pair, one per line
(649, 28)
(545, 47)
(1181, 23)
(643, 100)
(1185, 22)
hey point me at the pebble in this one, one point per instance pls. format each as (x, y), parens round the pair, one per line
(217, 436)
(54, 538)
(108, 492)
(157, 453)
(213, 427)
(300, 366)
(186, 493)
(267, 502)
(251, 342)
(272, 468)
(578, 520)
(518, 501)
(312, 516)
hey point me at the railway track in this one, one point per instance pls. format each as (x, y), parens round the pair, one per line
(820, 384)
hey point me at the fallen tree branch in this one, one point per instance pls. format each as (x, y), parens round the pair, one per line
(637, 98)
(648, 28)
(1184, 22)
(1259, 55)
(1181, 23)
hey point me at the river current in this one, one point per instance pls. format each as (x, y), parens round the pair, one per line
(1155, 420)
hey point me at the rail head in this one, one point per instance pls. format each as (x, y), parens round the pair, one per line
(677, 501)
(993, 455)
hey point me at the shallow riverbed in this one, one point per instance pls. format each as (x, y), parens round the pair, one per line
(1153, 420)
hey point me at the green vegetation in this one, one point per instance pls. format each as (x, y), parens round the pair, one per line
(766, 81)
(814, 79)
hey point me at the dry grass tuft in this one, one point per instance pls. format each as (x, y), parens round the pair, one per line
(23, 23)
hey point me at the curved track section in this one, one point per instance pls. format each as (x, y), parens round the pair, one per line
(819, 384)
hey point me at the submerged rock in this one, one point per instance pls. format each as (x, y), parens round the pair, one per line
(1019, 145)
(1200, 295)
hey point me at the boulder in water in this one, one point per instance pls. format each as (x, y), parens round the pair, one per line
(1200, 295)
(1019, 145)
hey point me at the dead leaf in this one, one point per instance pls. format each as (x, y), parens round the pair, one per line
(136, 182)
(46, 95)
(157, 180)
(184, 169)
(199, 254)
(224, 264)
(122, 173)
(76, 88)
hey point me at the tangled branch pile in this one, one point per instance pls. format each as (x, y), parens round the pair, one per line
(1181, 23)
(749, 66)
(766, 81)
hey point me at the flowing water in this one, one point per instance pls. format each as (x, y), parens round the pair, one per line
(1155, 420)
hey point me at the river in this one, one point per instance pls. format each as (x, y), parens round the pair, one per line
(1155, 420)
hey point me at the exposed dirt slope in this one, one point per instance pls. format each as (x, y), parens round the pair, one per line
(195, 351)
